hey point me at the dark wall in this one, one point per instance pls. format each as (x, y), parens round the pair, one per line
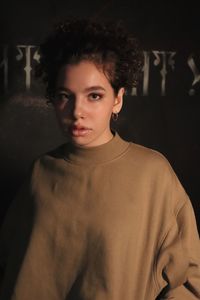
(162, 114)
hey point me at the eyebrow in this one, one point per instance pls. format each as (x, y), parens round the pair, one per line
(95, 87)
(89, 89)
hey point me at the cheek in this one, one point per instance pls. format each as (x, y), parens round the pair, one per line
(61, 114)
(60, 106)
(103, 114)
(62, 109)
(58, 111)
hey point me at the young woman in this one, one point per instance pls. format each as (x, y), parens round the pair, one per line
(99, 218)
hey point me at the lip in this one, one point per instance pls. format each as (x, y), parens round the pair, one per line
(79, 131)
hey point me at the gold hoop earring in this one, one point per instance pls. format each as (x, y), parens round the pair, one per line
(115, 116)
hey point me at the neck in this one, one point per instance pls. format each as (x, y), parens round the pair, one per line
(97, 154)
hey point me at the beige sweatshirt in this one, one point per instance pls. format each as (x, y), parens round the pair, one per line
(105, 223)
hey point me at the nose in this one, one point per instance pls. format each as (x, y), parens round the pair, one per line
(78, 109)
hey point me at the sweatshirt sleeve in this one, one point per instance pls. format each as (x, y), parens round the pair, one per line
(178, 260)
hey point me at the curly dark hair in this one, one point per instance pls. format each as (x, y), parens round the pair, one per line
(108, 45)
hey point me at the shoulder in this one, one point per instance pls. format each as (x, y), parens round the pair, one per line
(156, 167)
(50, 161)
(148, 158)
(160, 180)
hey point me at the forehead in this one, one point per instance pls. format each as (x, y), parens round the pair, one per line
(82, 74)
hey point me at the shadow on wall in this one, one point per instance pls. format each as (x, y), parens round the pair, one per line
(28, 128)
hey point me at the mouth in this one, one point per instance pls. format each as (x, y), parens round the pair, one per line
(79, 131)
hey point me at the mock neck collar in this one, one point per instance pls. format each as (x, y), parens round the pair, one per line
(95, 155)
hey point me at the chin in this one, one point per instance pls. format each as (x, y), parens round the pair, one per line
(80, 142)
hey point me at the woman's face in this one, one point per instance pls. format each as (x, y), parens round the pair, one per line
(84, 102)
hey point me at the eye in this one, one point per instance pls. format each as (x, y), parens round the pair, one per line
(95, 96)
(61, 97)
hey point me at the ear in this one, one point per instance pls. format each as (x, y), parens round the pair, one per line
(118, 101)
